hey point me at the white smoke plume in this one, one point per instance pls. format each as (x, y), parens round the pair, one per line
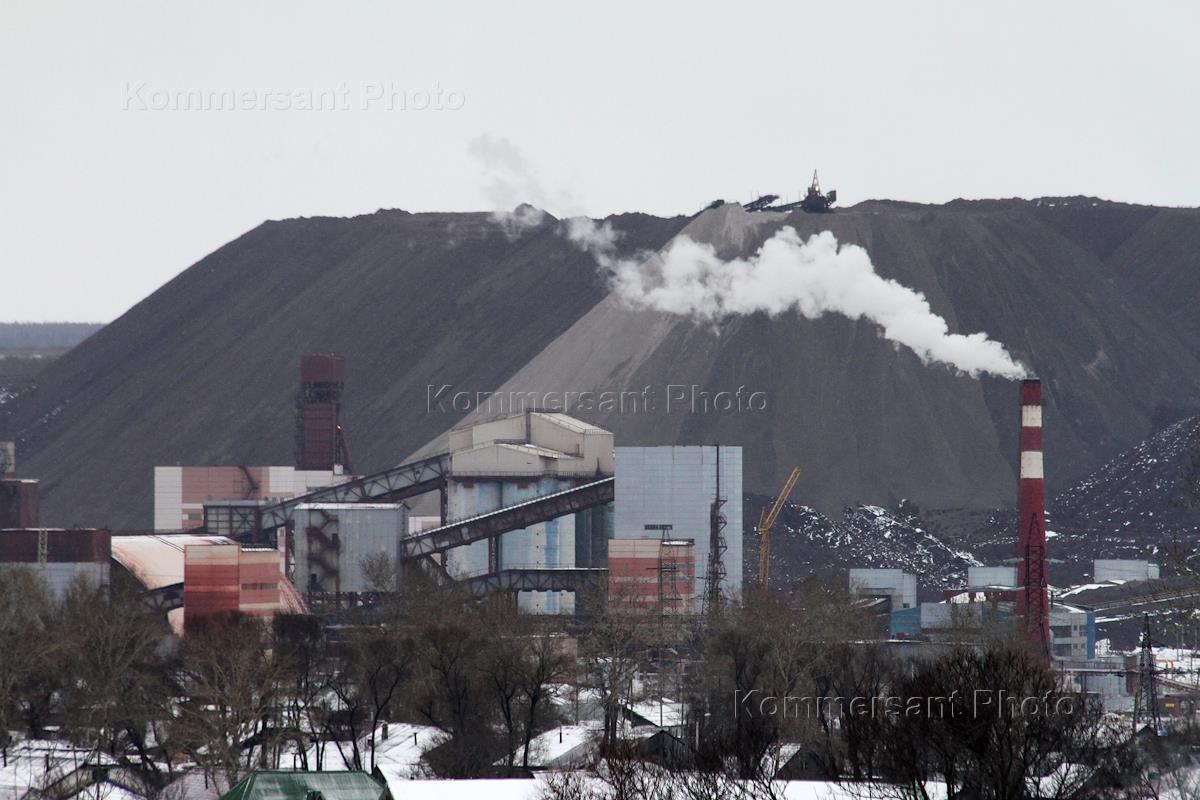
(511, 184)
(813, 277)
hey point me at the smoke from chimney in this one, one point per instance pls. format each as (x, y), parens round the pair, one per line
(813, 277)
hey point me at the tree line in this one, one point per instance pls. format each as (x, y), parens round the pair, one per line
(44, 335)
(796, 681)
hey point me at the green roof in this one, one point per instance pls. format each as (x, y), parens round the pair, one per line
(296, 785)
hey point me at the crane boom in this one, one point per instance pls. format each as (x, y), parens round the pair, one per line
(766, 522)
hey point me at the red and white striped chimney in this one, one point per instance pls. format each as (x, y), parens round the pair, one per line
(1033, 602)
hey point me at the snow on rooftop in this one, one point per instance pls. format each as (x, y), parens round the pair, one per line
(399, 757)
(27, 760)
(663, 712)
(567, 746)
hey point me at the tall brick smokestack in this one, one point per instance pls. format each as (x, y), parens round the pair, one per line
(1033, 602)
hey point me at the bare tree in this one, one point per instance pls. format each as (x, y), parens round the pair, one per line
(302, 653)
(383, 662)
(450, 640)
(226, 721)
(118, 677)
(989, 723)
(545, 666)
(612, 651)
(761, 658)
(26, 614)
(521, 663)
(502, 667)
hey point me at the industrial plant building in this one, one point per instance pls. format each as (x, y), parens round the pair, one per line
(1072, 629)
(652, 575)
(162, 564)
(898, 587)
(991, 577)
(503, 462)
(19, 497)
(1120, 570)
(527, 506)
(536, 505)
(677, 486)
(322, 457)
(181, 492)
(60, 557)
(224, 579)
(320, 440)
(334, 544)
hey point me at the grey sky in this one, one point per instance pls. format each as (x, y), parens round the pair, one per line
(615, 106)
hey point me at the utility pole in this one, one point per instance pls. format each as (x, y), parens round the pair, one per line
(1146, 708)
(662, 566)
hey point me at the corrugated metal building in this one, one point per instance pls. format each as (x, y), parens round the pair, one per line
(333, 540)
(224, 579)
(676, 486)
(59, 556)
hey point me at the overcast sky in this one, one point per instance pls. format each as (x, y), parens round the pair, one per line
(113, 182)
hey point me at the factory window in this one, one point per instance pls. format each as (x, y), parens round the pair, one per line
(259, 587)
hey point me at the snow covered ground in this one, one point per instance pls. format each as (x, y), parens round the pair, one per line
(36, 764)
(531, 790)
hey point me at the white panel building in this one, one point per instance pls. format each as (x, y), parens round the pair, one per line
(991, 577)
(896, 584)
(676, 486)
(1122, 570)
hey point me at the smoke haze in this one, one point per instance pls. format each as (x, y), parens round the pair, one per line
(510, 183)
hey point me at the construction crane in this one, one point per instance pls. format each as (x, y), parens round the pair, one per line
(766, 522)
